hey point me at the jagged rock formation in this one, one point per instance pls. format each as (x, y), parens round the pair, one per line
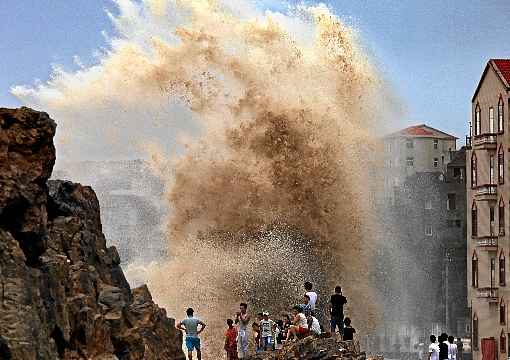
(62, 292)
(312, 348)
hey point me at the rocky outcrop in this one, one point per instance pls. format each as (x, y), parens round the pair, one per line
(63, 294)
(312, 348)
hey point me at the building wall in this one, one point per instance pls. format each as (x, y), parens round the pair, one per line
(487, 309)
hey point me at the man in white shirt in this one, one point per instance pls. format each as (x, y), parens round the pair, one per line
(433, 348)
(312, 295)
(452, 348)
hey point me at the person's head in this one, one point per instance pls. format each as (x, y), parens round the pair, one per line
(243, 307)
(190, 312)
(443, 337)
(265, 314)
(306, 299)
(279, 323)
(308, 286)
(432, 338)
(347, 321)
(458, 339)
(230, 322)
(296, 309)
(451, 339)
(338, 290)
(260, 316)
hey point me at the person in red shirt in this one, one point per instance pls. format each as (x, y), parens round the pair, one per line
(231, 341)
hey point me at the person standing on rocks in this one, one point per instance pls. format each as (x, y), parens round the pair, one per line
(433, 348)
(231, 341)
(190, 326)
(242, 319)
(336, 310)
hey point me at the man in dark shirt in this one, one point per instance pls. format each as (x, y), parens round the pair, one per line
(336, 310)
(443, 347)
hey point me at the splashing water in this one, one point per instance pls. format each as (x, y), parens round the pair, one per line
(270, 186)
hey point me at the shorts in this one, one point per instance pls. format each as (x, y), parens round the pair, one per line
(192, 343)
(301, 331)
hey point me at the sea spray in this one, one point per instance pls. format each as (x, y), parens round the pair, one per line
(271, 184)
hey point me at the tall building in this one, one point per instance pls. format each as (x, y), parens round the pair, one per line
(422, 219)
(487, 198)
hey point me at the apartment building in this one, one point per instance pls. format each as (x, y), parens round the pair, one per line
(415, 149)
(488, 228)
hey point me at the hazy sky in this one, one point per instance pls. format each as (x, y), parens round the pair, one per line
(431, 52)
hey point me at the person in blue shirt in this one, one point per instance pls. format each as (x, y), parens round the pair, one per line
(190, 326)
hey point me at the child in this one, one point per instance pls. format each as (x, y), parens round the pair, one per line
(348, 330)
(231, 341)
(256, 336)
(266, 332)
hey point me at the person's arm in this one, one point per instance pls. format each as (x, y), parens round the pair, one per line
(179, 326)
(201, 323)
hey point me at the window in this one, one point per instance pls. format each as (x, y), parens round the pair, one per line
(442, 159)
(436, 143)
(456, 172)
(500, 115)
(474, 171)
(474, 330)
(458, 223)
(502, 269)
(491, 220)
(493, 273)
(436, 162)
(491, 120)
(491, 169)
(474, 220)
(410, 161)
(450, 203)
(501, 165)
(478, 121)
(502, 314)
(502, 342)
(474, 270)
(501, 217)
(428, 230)
(428, 204)
(409, 144)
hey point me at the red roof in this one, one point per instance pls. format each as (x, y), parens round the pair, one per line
(417, 130)
(503, 66)
(422, 131)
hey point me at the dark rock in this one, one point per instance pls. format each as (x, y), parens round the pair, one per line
(63, 294)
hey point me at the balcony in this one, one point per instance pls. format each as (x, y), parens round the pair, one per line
(487, 243)
(488, 293)
(485, 141)
(486, 192)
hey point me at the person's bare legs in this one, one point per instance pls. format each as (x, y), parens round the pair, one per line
(199, 355)
(190, 355)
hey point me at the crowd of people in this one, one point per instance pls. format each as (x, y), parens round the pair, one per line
(445, 348)
(270, 334)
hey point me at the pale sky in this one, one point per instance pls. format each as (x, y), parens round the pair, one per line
(432, 52)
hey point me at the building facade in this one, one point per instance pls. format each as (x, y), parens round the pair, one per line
(419, 148)
(423, 229)
(488, 198)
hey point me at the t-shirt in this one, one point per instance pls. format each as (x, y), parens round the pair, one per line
(443, 351)
(302, 321)
(266, 327)
(231, 335)
(337, 305)
(349, 333)
(315, 328)
(307, 309)
(191, 325)
(313, 299)
(434, 351)
(452, 351)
